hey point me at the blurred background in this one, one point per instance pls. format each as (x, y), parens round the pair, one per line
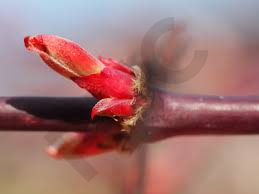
(182, 165)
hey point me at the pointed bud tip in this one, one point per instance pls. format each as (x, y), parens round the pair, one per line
(34, 43)
(26, 41)
(93, 114)
(64, 56)
(53, 153)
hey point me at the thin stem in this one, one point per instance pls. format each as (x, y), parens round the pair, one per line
(169, 115)
(51, 114)
(182, 114)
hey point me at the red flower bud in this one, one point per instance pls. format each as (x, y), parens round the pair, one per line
(113, 106)
(106, 79)
(72, 145)
(64, 56)
(116, 65)
(108, 83)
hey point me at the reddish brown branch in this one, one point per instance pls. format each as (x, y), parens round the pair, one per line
(182, 114)
(50, 114)
(169, 115)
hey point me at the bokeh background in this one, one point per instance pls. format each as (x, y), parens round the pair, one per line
(183, 165)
